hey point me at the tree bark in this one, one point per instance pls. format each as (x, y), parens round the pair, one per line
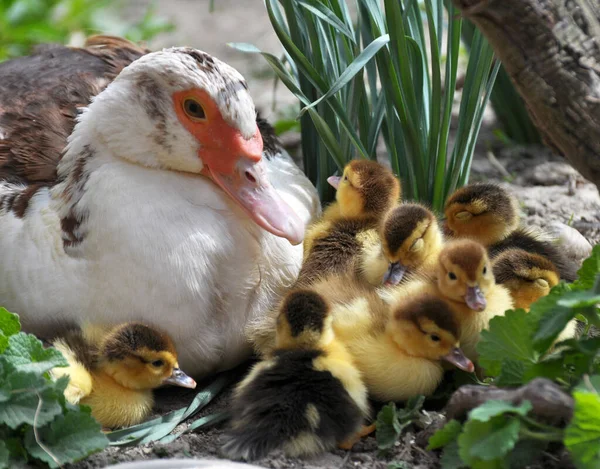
(551, 50)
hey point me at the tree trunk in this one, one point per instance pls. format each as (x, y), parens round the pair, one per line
(551, 50)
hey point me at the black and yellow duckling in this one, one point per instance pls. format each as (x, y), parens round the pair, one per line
(365, 193)
(409, 242)
(308, 397)
(487, 213)
(465, 280)
(115, 372)
(399, 349)
(528, 277)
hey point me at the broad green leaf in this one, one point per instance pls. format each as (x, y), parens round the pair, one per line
(9, 322)
(490, 409)
(388, 427)
(488, 441)
(450, 458)
(508, 337)
(445, 435)
(69, 438)
(525, 453)
(586, 276)
(26, 353)
(582, 437)
(512, 372)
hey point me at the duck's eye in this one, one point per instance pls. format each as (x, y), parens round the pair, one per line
(194, 109)
(435, 338)
(345, 178)
(451, 275)
(158, 363)
(484, 269)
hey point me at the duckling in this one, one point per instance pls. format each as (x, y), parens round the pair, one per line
(115, 374)
(465, 280)
(490, 215)
(527, 276)
(365, 192)
(409, 241)
(400, 350)
(307, 397)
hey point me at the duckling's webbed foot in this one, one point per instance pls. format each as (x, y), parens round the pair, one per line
(350, 442)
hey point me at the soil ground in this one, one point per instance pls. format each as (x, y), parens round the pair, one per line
(549, 189)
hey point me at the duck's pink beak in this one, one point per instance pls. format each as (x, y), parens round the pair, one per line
(250, 187)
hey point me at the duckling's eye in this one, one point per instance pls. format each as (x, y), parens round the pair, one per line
(484, 269)
(158, 363)
(194, 109)
(435, 338)
(345, 178)
(451, 275)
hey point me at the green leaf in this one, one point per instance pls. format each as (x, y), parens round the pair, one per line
(586, 276)
(26, 353)
(69, 438)
(512, 373)
(579, 299)
(451, 458)
(388, 426)
(488, 441)
(582, 437)
(508, 337)
(445, 435)
(525, 453)
(486, 411)
(9, 322)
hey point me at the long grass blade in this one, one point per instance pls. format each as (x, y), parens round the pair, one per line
(324, 13)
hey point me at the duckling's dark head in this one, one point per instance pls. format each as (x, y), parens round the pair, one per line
(425, 326)
(527, 276)
(483, 211)
(366, 188)
(464, 273)
(409, 234)
(142, 357)
(303, 320)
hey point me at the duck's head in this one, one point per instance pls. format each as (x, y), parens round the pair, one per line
(465, 274)
(527, 276)
(304, 321)
(484, 212)
(183, 110)
(365, 189)
(409, 234)
(426, 327)
(141, 357)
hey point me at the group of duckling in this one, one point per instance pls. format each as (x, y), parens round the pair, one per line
(385, 302)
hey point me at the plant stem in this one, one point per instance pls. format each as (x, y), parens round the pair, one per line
(541, 436)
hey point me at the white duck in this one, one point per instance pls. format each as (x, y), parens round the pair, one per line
(135, 227)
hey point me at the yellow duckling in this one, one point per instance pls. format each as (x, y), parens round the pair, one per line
(409, 242)
(400, 350)
(465, 280)
(365, 192)
(528, 277)
(307, 397)
(489, 214)
(115, 374)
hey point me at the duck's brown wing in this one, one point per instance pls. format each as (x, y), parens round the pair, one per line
(39, 100)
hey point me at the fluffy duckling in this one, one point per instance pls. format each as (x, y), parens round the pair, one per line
(400, 350)
(409, 241)
(115, 374)
(307, 398)
(465, 280)
(365, 192)
(490, 215)
(527, 276)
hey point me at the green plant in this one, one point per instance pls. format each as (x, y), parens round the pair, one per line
(406, 94)
(519, 347)
(25, 23)
(507, 103)
(391, 421)
(36, 423)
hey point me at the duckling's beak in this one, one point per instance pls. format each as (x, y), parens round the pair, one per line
(475, 298)
(179, 378)
(394, 274)
(458, 359)
(334, 181)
